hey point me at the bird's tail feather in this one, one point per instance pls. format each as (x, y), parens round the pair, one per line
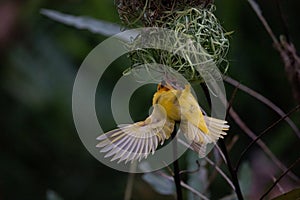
(216, 127)
(198, 139)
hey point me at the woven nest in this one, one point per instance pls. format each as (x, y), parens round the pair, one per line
(182, 17)
(136, 13)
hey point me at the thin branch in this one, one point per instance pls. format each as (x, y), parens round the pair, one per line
(212, 163)
(232, 142)
(191, 171)
(168, 168)
(262, 134)
(279, 178)
(183, 184)
(287, 52)
(283, 21)
(233, 173)
(176, 166)
(130, 181)
(221, 172)
(232, 97)
(221, 153)
(258, 12)
(234, 177)
(129, 186)
(219, 161)
(280, 188)
(193, 190)
(250, 133)
(264, 100)
(260, 143)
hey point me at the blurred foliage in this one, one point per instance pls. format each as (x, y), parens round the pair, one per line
(41, 155)
(159, 184)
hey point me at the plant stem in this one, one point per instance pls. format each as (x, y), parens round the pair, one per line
(279, 178)
(262, 134)
(176, 166)
(264, 100)
(129, 186)
(237, 119)
(233, 173)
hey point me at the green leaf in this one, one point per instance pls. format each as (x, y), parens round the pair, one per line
(81, 22)
(230, 197)
(159, 183)
(245, 179)
(291, 195)
(51, 195)
(199, 179)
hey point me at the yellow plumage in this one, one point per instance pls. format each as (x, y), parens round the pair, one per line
(136, 141)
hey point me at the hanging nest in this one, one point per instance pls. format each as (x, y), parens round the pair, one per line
(145, 13)
(182, 17)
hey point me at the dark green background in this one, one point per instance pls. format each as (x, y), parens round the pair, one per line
(40, 150)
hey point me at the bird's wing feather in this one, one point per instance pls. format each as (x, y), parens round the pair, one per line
(190, 110)
(136, 141)
(198, 138)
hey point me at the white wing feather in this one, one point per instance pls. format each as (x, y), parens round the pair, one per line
(199, 139)
(136, 141)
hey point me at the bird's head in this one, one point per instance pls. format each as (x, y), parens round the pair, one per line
(169, 85)
(164, 86)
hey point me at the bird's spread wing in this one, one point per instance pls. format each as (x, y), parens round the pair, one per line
(136, 141)
(198, 138)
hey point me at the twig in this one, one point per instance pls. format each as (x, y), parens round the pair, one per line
(231, 144)
(287, 52)
(130, 180)
(221, 172)
(221, 153)
(176, 166)
(279, 178)
(193, 190)
(264, 100)
(211, 163)
(280, 188)
(258, 12)
(234, 177)
(191, 171)
(232, 97)
(233, 173)
(263, 133)
(129, 186)
(283, 21)
(186, 186)
(260, 143)
(218, 162)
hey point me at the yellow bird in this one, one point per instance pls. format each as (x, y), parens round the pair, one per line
(136, 141)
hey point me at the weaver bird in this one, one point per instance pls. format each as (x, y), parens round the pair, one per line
(170, 104)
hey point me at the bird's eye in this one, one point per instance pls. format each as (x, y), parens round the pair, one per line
(159, 87)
